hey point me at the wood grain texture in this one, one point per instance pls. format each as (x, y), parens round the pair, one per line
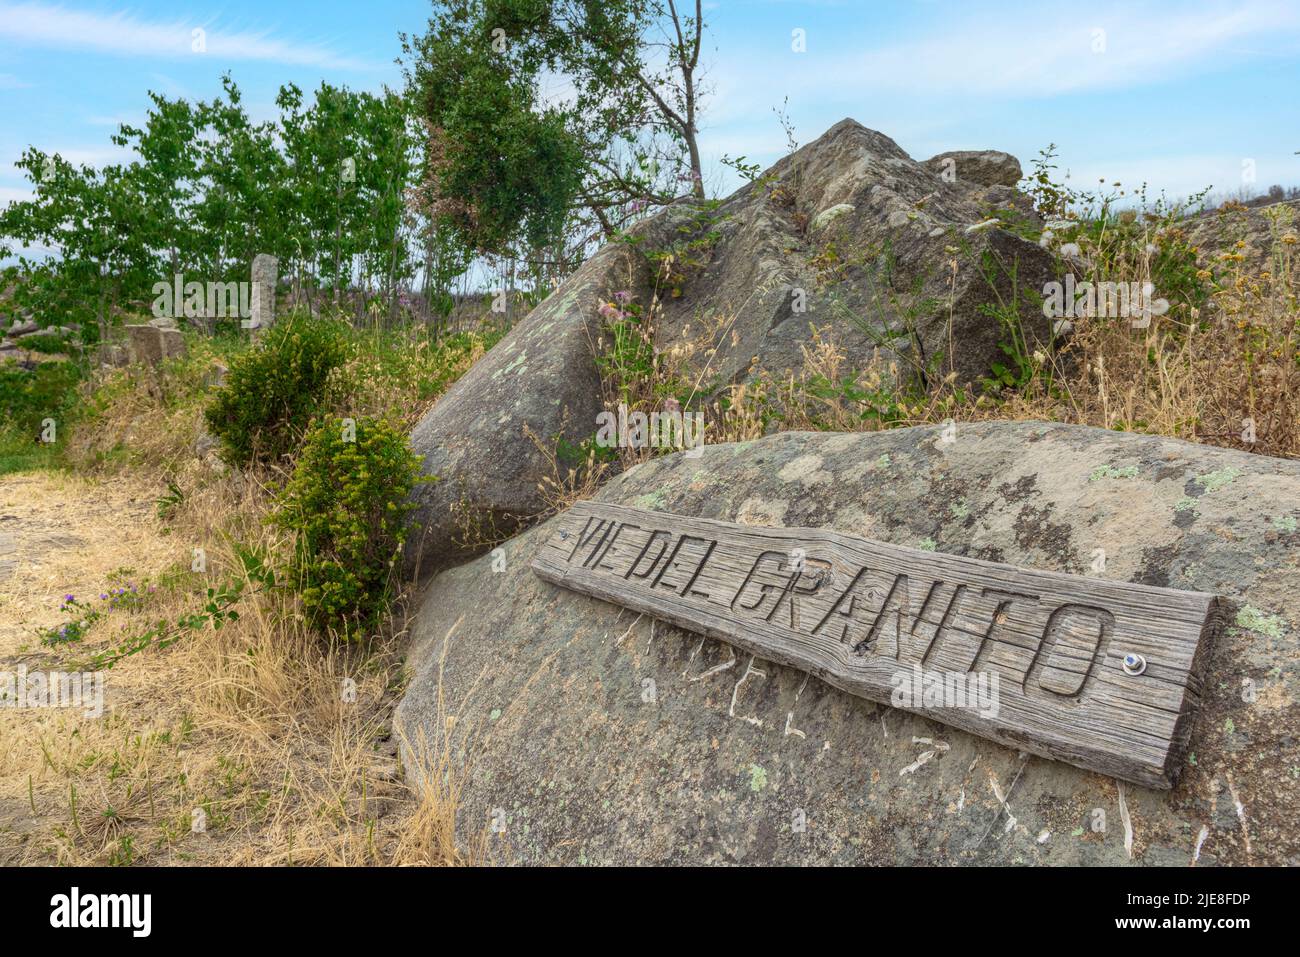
(1036, 656)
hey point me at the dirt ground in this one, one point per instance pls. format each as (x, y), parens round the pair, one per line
(234, 747)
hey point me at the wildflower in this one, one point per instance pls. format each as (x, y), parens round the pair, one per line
(623, 297)
(68, 598)
(609, 310)
(1070, 249)
(1046, 238)
(1290, 239)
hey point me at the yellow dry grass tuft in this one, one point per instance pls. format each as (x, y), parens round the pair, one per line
(255, 744)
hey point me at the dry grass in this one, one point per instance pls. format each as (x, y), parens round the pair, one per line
(278, 743)
(1226, 374)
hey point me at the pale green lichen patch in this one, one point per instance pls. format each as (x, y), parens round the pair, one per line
(960, 509)
(1185, 504)
(1252, 619)
(516, 364)
(1213, 481)
(828, 216)
(1284, 523)
(651, 500)
(927, 545)
(883, 461)
(757, 777)
(1111, 472)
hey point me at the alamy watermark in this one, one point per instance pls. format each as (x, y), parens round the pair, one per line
(918, 688)
(53, 689)
(1102, 300)
(201, 300)
(670, 429)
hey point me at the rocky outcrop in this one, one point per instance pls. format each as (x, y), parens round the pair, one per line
(486, 443)
(1261, 232)
(594, 736)
(849, 234)
(977, 167)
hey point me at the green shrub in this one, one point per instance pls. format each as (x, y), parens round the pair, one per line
(273, 391)
(50, 343)
(347, 503)
(28, 396)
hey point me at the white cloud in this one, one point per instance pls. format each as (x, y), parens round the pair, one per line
(1039, 51)
(42, 24)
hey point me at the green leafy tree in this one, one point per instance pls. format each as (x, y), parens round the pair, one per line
(512, 168)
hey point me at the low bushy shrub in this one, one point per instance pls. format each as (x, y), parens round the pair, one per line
(273, 391)
(347, 504)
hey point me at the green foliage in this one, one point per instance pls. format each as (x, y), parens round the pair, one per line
(688, 252)
(1008, 310)
(502, 167)
(629, 364)
(347, 504)
(218, 608)
(272, 391)
(882, 405)
(323, 187)
(48, 343)
(28, 396)
(509, 166)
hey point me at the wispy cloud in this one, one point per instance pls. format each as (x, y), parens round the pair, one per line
(1050, 52)
(1053, 49)
(123, 34)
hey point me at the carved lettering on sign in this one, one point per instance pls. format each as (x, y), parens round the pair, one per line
(865, 616)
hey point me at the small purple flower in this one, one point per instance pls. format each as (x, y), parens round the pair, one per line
(103, 597)
(623, 296)
(68, 598)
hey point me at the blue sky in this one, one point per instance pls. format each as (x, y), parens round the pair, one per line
(1182, 94)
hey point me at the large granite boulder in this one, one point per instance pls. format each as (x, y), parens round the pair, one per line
(847, 234)
(585, 734)
(852, 235)
(487, 443)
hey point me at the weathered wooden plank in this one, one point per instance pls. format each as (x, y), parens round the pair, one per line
(1032, 659)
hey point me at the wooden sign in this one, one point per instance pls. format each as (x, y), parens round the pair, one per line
(1100, 674)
